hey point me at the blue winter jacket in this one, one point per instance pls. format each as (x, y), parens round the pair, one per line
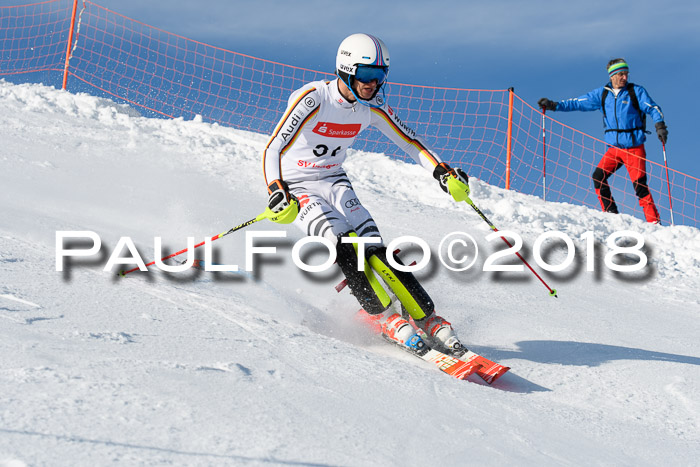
(620, 114)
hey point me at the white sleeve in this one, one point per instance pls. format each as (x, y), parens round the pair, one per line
(302, 106)
(404, 137)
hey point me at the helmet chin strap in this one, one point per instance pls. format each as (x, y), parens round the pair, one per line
(365, 101)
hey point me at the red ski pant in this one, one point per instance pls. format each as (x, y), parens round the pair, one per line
(635, 160)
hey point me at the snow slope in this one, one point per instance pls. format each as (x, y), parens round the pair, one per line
(203, 368)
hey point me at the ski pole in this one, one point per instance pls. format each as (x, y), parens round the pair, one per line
(668, 183)
(267, 214)
(552, 292)
(544, 161)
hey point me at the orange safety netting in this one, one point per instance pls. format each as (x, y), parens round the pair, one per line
(168, 75)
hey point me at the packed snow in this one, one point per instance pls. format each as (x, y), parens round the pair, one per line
(270, 367)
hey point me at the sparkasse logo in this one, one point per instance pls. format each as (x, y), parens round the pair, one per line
(337, 130)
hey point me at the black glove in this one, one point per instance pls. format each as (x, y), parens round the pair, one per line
(662, 131)
(280, 197)
(547, 104)
(443, 173)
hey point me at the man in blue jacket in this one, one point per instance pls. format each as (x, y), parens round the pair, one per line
(624, 106)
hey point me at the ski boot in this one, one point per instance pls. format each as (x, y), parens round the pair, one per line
(395, 327)
(440, 333)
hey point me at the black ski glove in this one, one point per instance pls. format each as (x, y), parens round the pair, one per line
(662, 131)
(547, 104)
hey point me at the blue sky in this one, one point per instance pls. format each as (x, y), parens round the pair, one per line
(552, 49)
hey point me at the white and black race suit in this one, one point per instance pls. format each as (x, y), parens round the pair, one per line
(308, 147)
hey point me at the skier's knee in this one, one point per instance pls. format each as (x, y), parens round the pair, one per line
(599, 176)
(640, 187)
(346, 254)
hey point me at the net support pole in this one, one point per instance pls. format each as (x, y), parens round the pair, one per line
(509, 145)
(70, 41)
(544, 159)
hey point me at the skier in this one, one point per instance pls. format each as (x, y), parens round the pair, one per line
(624, 119)
(302, 165)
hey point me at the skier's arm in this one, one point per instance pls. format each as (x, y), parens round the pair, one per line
(647, 104)
(586, 103)
(404, 137)
(302, 107)
(452, 181)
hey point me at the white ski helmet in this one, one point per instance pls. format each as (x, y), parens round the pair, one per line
(361, 49)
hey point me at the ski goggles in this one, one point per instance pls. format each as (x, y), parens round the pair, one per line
(368, 73)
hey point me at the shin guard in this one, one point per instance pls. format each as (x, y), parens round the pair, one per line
(413, 297)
